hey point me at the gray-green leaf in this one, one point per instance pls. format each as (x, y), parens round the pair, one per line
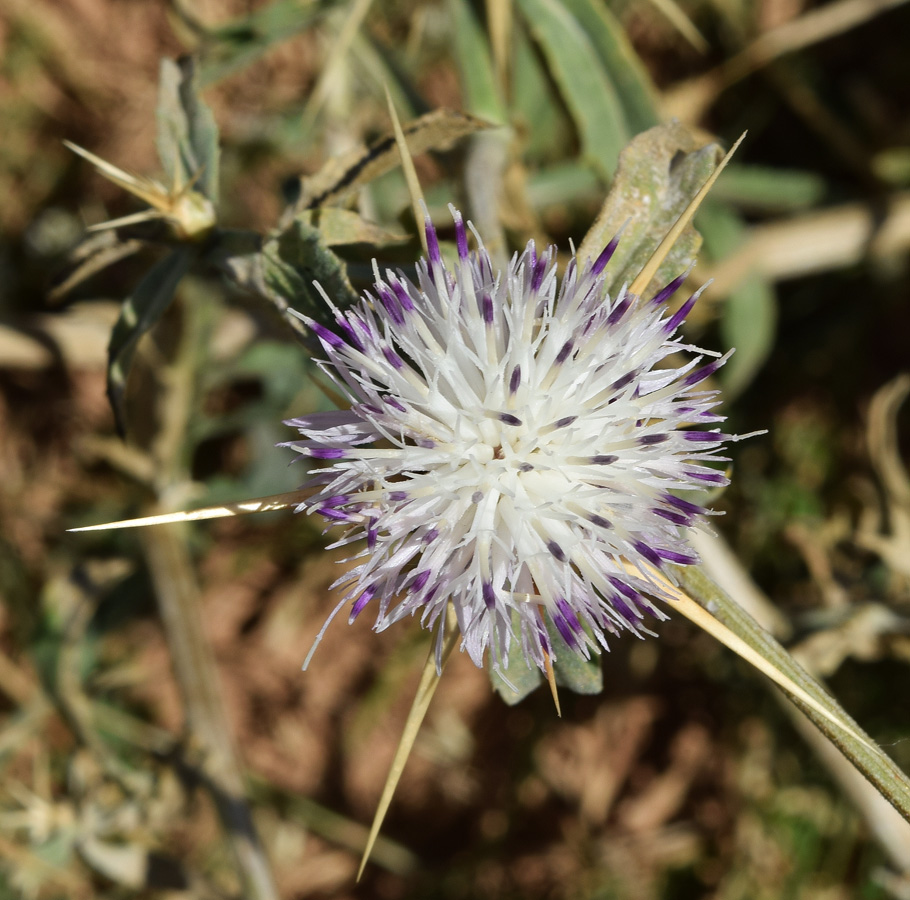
(296, 257)
(587, 88)
(824, 710)
(659, 172)
(187, 134)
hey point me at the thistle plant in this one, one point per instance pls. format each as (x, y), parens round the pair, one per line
(515, 456)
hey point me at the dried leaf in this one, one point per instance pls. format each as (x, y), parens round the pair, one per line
(437, 130)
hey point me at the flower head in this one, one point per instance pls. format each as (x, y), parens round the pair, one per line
(512, 448)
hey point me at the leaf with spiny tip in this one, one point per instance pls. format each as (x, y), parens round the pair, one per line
(644, 278)
(190, 214)
(705, 604)
(658, 174)
(148, 189)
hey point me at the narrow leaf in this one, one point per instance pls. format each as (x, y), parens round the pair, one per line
(770, 189)
(187, 133)
(708, 606)
(587, 88)
(479, 87)
(548, 135)
(749, 311)
(634, 87)
(140, 312)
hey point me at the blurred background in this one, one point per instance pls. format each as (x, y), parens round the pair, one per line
(154, 715)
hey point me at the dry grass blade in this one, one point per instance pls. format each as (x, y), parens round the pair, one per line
(241, 508)
(893, 544)
(647, 273)
(429, 681)
(834, 238)
(353, 18)
(410, 173)
(499, 17)
(677, 17)
(692, 98)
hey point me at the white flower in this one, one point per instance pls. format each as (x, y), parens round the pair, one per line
(512, 448)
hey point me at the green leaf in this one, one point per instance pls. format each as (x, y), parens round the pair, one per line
(561, 184)
(140, 312)
(770, 190)
(573, 671)
(538, 116)
(634, 87)
(296, 257)
(187, 133)
(659, 172)
(518, 679)
(475, 64)
(803, 690)
(587, 88)
(748, 323)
